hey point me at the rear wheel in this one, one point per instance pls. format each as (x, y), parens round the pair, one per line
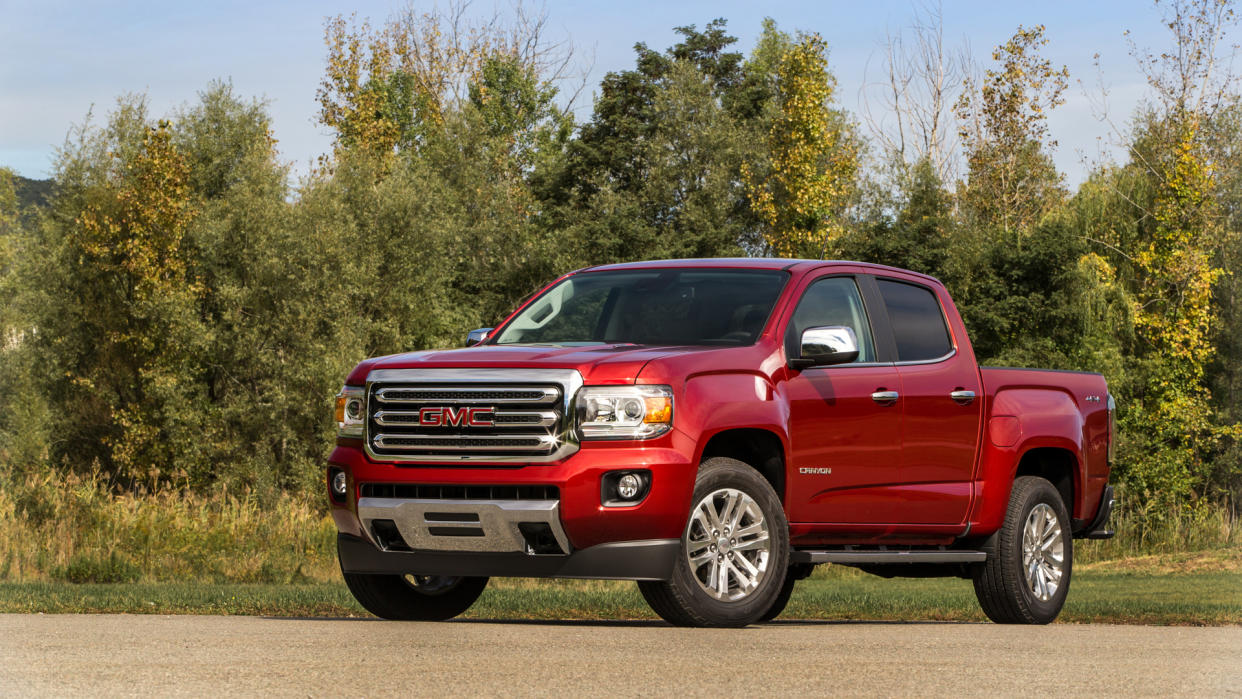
(1026, 576)
(734, 551)
(414, 597)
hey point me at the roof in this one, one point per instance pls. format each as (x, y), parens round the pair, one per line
(746, 263)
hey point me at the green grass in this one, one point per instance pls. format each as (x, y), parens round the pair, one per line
(1121, 596)
(69, 544)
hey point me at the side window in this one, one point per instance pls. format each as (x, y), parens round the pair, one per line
(831, 301)
(918, 323)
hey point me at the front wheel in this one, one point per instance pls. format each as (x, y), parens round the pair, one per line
(1027, 573)
(734, 551)
(797, 571)
(414, 597)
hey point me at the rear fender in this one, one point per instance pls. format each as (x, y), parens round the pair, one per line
(1022, 419)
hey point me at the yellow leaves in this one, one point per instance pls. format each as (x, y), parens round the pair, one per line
(1004, 131)
(383, 87)
(1173, 311)
(139, 233)
(813, 162)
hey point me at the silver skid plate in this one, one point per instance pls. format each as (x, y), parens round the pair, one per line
(464, 525)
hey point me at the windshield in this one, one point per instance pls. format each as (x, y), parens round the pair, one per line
(650, 307)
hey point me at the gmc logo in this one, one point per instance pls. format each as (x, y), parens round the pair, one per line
(456, 417)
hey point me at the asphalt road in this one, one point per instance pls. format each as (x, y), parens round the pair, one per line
(94, 655)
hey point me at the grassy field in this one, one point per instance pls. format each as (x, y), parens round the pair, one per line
(68, 544)
(1185, 589)
(68, 528)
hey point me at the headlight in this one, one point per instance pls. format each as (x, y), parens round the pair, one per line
(351, 411)
(624, 412)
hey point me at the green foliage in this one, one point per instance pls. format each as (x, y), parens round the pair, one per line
(179, 314)
(91, 568)
(113, 319)
(919, 236)
(655, 171)
(516, 108)
(8, 204)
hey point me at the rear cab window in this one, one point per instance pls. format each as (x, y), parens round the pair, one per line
(918, 323)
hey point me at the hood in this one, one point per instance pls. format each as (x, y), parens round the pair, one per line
(598, 364)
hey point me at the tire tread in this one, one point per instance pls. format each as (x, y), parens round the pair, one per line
(998, 583)
(675, 600)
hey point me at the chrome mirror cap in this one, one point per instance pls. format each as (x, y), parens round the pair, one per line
(833, 344)
(476, 336)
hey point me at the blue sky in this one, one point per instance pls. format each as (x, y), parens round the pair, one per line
(58, 59)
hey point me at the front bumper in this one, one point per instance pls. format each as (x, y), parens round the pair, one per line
(497, 534)
(625, 560)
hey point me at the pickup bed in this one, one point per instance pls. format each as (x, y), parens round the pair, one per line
(713, 429)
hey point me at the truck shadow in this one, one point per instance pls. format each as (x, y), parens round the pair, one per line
(638, 623)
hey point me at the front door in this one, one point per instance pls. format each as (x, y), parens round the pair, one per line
(845, 430)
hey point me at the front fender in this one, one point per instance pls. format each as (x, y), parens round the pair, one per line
(715, 403)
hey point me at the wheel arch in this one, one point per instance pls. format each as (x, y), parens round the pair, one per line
(1057, 465)
(761, 449)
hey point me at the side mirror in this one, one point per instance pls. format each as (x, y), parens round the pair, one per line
(833, 344)
(476, 336)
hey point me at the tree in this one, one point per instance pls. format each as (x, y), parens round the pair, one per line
(1171, 248)
(1011, 181)
(8, 203)
(810, 178)
(273, 347)
(387, 89)
(919, 236)
(917, 93)
(654, 172)
(115, 314)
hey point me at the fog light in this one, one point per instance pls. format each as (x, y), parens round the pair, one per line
(339, 485)
(629, 486)
(624, 488)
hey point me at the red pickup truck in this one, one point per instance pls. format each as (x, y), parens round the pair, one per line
(713, 429)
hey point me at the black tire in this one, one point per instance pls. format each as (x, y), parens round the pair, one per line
(1001, 582)
(684, 600)
(414, 598)
(782, 600)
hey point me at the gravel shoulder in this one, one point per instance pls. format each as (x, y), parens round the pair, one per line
(116, 655)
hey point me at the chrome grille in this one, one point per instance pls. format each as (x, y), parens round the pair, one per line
(398, 395)
(492, 415)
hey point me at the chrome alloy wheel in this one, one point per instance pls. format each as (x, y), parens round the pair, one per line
(1043, 552)
(727, 544)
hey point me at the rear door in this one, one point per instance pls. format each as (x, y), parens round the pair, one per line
(941, 397)
(845, 434)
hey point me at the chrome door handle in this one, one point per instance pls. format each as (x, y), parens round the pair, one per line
(885, 396)
(963, 397)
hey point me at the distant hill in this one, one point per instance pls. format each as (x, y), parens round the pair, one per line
(32, 193)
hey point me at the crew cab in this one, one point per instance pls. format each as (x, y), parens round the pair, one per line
(713, 429)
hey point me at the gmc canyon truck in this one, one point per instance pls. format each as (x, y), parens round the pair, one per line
(713, 429)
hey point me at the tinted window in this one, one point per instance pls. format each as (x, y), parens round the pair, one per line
(831, 301)
(650, 307)
(918, 324)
